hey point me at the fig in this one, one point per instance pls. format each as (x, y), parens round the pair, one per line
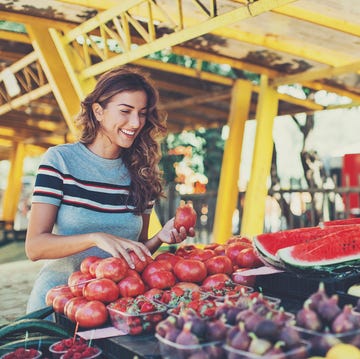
(216, 330)
(317, 297)
(186, 337)
(198, 326)
(289, 336)
(172, 334)
(280, 316)
(344, 322)
(239, 339)
(276, 351)
(165, 325)
(267, 329)
(252, 321)
(328, 308)
(308, 318)
(258, 346)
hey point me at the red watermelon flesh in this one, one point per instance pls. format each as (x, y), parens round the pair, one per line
(337, 247)
(340, 222)
(268, 244)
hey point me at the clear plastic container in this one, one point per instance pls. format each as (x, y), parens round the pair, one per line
(321, 342)
(300, 352)
(95, 355)
(171, 350)
(26, 353)
(232, 291)
(135, 324)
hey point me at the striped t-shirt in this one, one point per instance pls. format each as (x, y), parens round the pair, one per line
(92, 194)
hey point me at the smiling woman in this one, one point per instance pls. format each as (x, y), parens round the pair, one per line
(94, 197)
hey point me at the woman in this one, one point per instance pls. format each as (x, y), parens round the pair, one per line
(95, 196)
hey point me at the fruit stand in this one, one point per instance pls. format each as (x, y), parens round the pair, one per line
(243, 299)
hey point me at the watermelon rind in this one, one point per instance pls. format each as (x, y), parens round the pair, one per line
(266, 257)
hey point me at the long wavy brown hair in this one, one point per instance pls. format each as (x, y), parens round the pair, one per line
(142, 158)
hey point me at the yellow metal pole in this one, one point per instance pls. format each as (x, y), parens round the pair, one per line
(256, 192)
(62, 84)
(228, 185)
(13, 189)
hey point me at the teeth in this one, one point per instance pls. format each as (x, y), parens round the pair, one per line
(127, 132)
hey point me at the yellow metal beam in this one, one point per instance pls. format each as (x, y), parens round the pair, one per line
(61, 84)
(124, 12)
(228, 186)
(14, 36)
(319, 19)
(312, 75)
(13, 188)
(254, 206)
(36, 20)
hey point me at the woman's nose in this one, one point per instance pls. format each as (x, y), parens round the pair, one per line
(135, 120)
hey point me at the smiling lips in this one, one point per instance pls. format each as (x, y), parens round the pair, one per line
(127, 132)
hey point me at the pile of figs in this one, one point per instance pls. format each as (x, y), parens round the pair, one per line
(324, 323)
(190, 336)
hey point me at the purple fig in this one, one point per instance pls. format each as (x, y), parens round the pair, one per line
(240, 340)
(281, 317)
(317, 297)
(289, 336)
(344, 322)
(252, 321)
(172, 334)
(165, 325)
(198, 326)
(308, 318)
(267, 329)
(186, 337)
(216, 330)
(328, 308)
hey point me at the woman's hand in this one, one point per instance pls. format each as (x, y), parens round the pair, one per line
(121, 247)
(169, 234)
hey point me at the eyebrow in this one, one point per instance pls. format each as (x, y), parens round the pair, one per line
(125, 104)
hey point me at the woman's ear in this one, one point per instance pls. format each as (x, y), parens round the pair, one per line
(98, 111)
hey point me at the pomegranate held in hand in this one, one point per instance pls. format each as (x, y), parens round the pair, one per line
(185, 216)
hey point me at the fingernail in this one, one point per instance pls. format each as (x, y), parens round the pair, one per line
(132, 266)
(142, 258)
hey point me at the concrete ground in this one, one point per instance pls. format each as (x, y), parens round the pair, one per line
(16, 280)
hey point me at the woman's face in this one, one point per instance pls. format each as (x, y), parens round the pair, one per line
(123, 118)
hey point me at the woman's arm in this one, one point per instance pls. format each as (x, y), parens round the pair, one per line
(41, 243)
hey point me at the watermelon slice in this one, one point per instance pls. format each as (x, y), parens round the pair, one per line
(341, 222)
(268, 244)
(332, 252)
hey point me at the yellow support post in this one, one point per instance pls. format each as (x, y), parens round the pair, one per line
(13, 188)
(62, 84)
(228, 185)
(256, 192)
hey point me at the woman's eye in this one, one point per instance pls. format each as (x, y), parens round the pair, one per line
(125, 111)
(142, 114)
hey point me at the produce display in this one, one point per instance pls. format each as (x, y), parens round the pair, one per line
(199, 305)
(324, 323)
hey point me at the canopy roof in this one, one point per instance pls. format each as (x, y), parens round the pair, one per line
(314, 44)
